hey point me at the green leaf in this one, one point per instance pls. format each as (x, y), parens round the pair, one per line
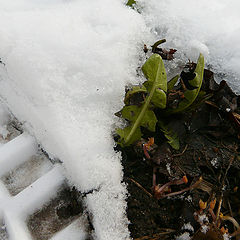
(159, 98)
(130, 3)
(132, 92)
(191, 95)
(201, 98)
(171, 136)
(155, 73)
(172, 82)
(148, 121)
(124, 133)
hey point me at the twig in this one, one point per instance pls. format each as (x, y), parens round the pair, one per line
(141, 187)
(180, 154)
(157, 235)
(154, 180)
(195, 185)
(230, 208)
(211, 104)
(226, 172)
(219, 207)
(223, 180)
(230, 149)
(156, 44)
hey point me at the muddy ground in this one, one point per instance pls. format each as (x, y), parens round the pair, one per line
(208, 157)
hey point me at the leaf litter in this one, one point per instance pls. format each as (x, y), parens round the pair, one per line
(180, 151)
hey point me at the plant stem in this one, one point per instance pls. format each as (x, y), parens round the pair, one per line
(145, 106)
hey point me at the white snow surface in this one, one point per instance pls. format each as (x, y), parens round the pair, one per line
(66, 66)
(184, 236)
(211, 27)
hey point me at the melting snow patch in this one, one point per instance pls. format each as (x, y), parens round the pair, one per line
(168, 166)
(184, 236)
(191, 28)
(215, 162)
(189, 198)
(188, 226)
(226, 236)
(204, 228)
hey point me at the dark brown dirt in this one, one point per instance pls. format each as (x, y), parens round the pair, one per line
(209, 140)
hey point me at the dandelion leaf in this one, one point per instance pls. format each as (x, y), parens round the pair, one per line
(159, 99)
(196, 82)
(172, 82)
(124, 133)
(132, 112)
(142, 115)
(155, 72)
(131, 93)
(171, 136)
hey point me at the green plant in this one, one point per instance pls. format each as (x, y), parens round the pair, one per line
(191, 94)
(143, 115)
(153, 94)
(130, 3)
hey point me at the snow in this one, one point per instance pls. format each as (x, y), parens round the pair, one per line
(73, 231)
(188, 226)
(66, 66)
(4, 119)
(18, 151)
(226, 236)
(210, 27)
(202, 219)
(204, 228)
(184, 236)
(215, 162)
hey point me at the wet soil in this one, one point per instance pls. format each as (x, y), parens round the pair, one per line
(209, 153)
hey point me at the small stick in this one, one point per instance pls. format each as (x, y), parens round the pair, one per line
(156, 44)
(230, 208)
(224, 178)
(180, 154)
(211, 104)
(154, 177)
(146, 152)
(157, 235)
(184, 190)
(141, 187)
(229, 165)
(231, 219)
(219, 208)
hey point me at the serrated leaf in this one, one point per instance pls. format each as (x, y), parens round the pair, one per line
(171, 136)
(172, 82)
(191, 95)
(155, 72)
(133, 91)
(123, 133)
(131, 113)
